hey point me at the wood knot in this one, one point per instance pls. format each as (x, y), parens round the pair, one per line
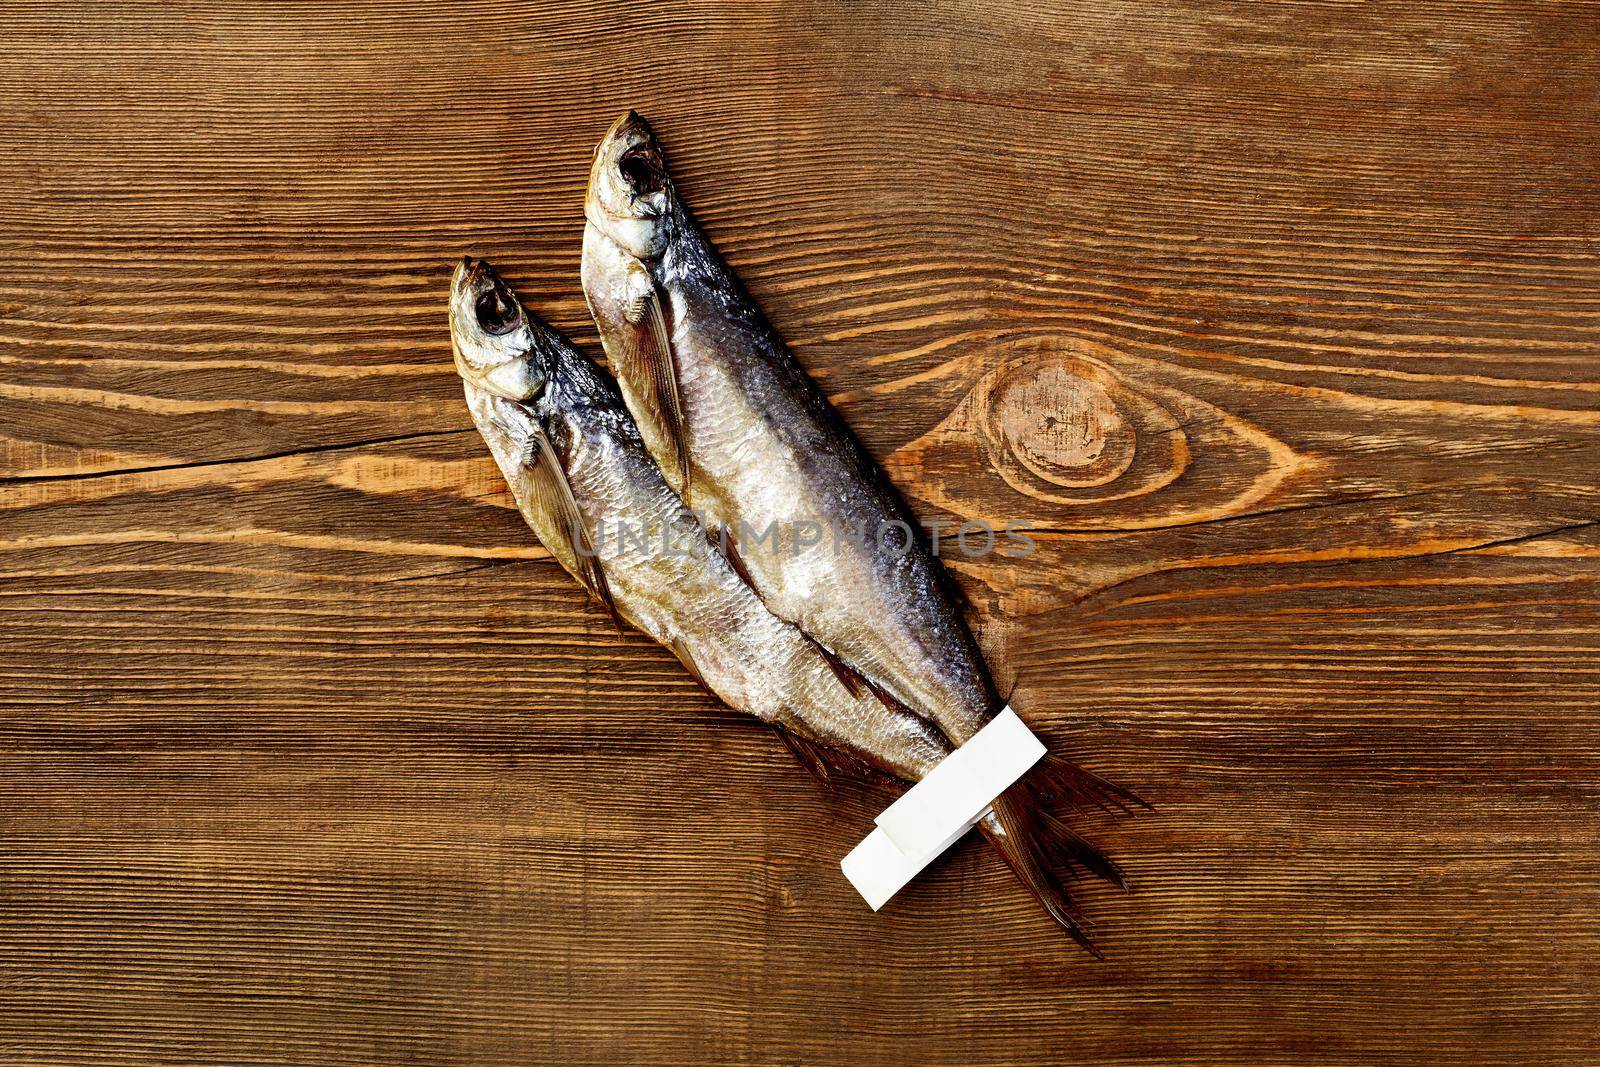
(1070, 433)
(1062, 427)
(1058, 418)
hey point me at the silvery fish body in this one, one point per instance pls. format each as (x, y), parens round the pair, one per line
(801, 510)
(549, 416)
(576, 465)
(754, 447)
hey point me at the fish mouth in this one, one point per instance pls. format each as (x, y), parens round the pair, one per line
(469, 271)
(629, 130)
(479, 287)
(473, 276)
(631, 147)
(494, 340)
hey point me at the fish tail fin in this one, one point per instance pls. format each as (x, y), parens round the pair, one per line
(1034, 844)
(1057, 778)
(1072, 854)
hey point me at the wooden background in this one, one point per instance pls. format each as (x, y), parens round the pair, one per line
(1277, 324)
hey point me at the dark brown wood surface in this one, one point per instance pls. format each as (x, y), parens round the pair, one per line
(1277, 325)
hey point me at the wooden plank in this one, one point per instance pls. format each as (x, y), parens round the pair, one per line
(1275, 329)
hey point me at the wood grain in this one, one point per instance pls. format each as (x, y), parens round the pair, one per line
(1276, 327)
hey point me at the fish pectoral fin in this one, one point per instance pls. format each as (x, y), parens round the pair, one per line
(553, 499)
(825, 761)
(657, 366)
(634, 309)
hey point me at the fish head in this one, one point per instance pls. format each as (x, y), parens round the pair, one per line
(630, 193)
(496, 342)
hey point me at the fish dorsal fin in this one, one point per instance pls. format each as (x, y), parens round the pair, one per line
(658, 367)
(553, 500)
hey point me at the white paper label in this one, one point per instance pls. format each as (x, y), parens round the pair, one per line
(933, 814)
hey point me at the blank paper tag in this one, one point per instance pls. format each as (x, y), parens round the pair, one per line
(878, 870)
(933, 814)
(962, 786)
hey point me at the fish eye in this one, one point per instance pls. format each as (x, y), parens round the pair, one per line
(639, 168)
(497, 312)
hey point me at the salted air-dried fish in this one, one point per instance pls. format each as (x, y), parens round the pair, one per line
(755, 449)
(579, 469)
